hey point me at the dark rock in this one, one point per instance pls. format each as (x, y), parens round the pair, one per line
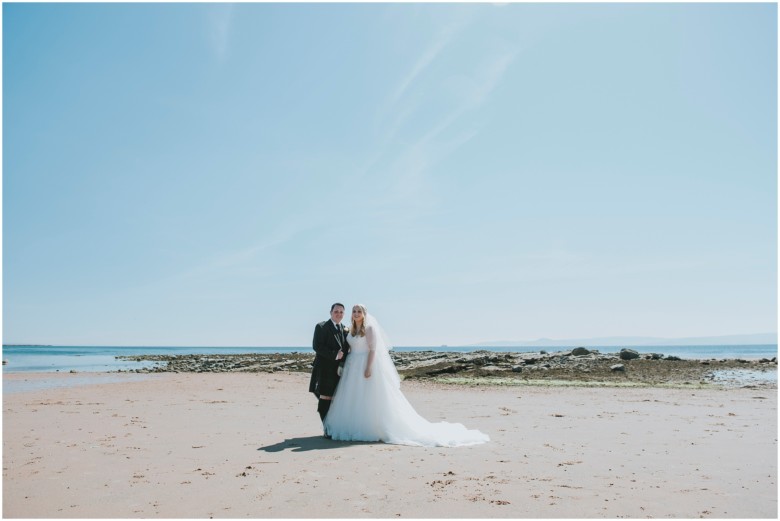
(476, 365)
(673, 359)
(542, 352)
(579, 351)
(628, 354)
(618, 367)
(445, 370)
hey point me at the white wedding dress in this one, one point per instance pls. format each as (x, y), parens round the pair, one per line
(375, 409)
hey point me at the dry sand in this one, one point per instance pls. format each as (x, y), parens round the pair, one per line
(249, 445)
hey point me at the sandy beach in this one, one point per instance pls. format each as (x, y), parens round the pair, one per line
(234, 445)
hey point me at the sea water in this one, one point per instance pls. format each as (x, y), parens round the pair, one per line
(25, 359)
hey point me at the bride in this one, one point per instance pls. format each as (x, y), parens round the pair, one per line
(368, 404)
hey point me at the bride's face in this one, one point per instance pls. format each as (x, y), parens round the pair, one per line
(357, 315)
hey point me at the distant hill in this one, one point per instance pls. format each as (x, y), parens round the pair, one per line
(617, 341)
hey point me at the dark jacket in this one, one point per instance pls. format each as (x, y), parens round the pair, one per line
(327, 342)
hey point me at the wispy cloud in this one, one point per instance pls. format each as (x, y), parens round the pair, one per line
(485, 82)
(410, 166)
(403, 165)
(424, 61)
(220, 22)
(250, 258)
(492, 76)
(252, 261)
(395, 106)
(562, 265)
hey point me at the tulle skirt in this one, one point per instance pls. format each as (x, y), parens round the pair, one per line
(375, 409)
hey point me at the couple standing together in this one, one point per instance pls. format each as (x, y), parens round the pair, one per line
(359, 389)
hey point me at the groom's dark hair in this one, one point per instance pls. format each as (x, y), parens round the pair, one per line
(337, 304)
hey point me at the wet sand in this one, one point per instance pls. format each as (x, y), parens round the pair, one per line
(235, 445)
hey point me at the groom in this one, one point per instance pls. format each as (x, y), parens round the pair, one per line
(330, 344)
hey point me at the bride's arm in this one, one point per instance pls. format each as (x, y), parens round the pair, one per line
(371, 338)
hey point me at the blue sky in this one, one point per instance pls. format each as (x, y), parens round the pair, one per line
(216, 174)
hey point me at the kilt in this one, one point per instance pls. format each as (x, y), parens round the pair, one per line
(324, 378)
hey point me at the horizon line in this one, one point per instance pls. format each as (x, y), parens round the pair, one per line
(475, 346)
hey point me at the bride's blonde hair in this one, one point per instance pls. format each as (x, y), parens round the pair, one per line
(362, 330)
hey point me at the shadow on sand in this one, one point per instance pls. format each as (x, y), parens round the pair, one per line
(310, 443)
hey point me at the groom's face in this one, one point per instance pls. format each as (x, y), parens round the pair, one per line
(337, 314)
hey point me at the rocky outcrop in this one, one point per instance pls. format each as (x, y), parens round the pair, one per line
(647, 369)
(628, 354)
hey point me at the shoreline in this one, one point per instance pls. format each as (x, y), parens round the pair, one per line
(232, 445)
(59, 359)
(580, 367)
(577, 367)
